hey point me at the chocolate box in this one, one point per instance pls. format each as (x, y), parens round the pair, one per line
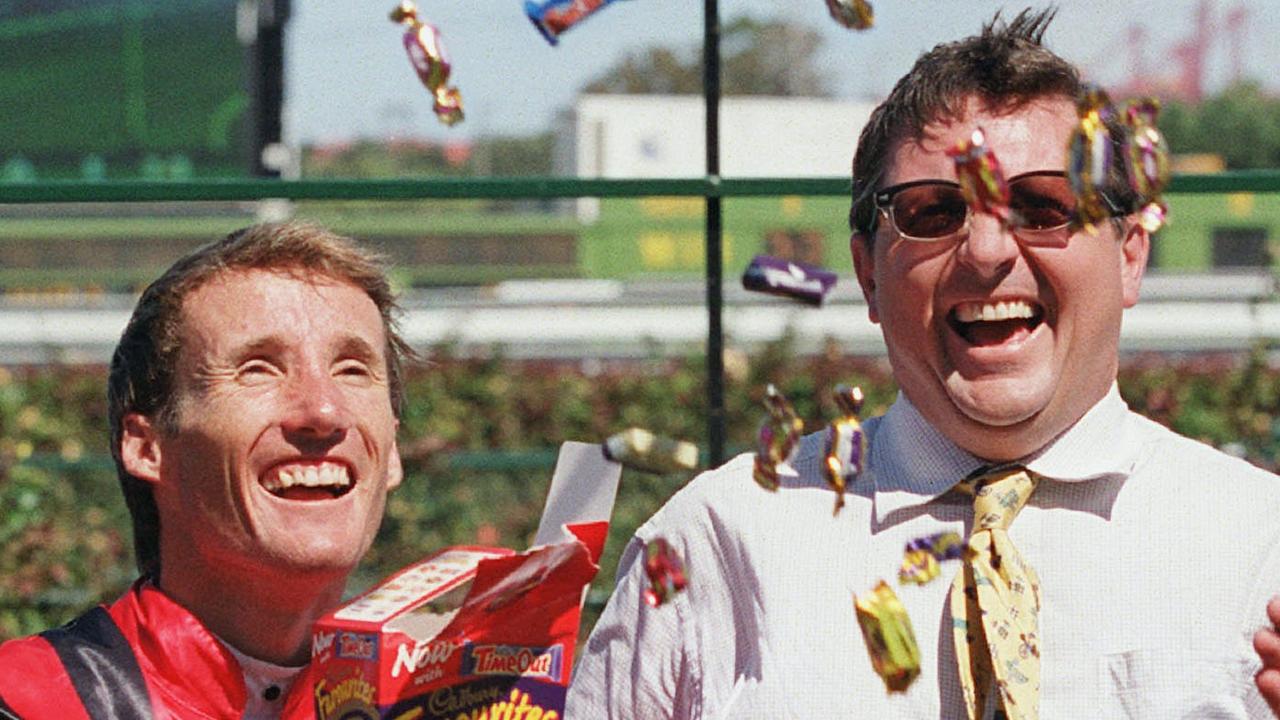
(473, 632)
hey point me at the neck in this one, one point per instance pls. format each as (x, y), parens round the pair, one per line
(269, 618)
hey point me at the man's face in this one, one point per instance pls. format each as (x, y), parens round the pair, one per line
(285, 445)
(1000, 388)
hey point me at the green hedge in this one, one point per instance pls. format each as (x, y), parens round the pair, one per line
(478, 440)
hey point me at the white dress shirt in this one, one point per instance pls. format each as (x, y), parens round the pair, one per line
(1156, 556)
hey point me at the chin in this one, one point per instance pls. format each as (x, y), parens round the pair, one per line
(320, 555)
(998, 416)
(1002, 403)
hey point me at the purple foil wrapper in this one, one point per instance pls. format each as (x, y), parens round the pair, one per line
(786, 278)
(943, 545)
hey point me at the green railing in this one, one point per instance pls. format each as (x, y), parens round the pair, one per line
(505, 188)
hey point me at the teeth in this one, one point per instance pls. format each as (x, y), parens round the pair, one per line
(330, 475)
(991, 312)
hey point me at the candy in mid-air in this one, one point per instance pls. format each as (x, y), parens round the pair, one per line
(846, 444)
(553, 17)
(665, 571)
(853, 14)
(982, 181)
(776, 443)
(890, 639)
(640, 449)
(1147, 160)
(1090, 158)
(921, 556)
(430, 61)
(786, 278)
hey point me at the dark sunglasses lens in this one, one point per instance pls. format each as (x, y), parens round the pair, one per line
(929, 211)
(1042, 202)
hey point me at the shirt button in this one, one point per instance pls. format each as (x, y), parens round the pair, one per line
(272, 693)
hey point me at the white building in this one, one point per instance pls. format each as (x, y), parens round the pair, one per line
(662, 136)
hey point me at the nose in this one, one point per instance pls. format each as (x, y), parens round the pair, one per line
(990, 249)
(316, 416)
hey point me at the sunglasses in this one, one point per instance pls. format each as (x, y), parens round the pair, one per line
(1042, 208)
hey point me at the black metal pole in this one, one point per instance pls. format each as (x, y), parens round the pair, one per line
(264, 78)
(714, 239)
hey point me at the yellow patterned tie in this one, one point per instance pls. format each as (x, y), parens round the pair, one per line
(995, 602)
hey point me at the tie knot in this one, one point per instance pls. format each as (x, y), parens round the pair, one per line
(999, 495)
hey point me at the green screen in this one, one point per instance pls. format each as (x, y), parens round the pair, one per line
(97, 89)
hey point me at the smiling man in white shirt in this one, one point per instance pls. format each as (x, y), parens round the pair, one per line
(1153, 556)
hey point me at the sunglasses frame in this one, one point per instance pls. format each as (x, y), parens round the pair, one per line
(883, 200)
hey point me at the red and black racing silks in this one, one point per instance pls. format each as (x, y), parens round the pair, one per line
(144, 657)
(101, 668)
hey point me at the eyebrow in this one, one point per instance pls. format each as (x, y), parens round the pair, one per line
(257, 346)
(347, 346)
(356, 346)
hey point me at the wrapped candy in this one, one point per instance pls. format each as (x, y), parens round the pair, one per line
(779, 435)
(665, 571)
(1090, 158)
(921, 557)
(918, 567)
(427, 53)
(853, 14)
(981, 179)
(641, 450)
(846, 444)
(1147, 155)
(890, 639)
(553, 17)
(795, 280)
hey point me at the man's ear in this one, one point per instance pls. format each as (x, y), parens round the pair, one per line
(140, 447)
(864, 266)
(1134, 250)
(395, 471)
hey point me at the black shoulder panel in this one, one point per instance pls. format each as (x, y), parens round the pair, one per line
(102, 667)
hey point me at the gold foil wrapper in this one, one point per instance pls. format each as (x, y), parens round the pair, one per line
(890, 639)
(982, 180)
(853, 14)
(1090, 156)
(846, 444)
(777, 440)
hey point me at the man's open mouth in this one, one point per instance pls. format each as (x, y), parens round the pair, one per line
(308, 480)
(994, 323)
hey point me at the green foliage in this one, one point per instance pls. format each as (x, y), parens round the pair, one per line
(500, 156)
(1241, 124)
(478, 439)
(770, 57)
(63, 527)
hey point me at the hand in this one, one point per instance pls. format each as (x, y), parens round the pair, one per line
(1267, 643)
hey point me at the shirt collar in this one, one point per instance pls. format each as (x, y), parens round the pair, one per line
(260, 675)
(912, 462)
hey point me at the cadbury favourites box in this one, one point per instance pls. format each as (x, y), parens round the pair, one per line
(473, 632)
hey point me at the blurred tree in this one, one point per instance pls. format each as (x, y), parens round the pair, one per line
(1241, 124)
(769, 57)
(65, 533)
(491, 155)
(513, 155)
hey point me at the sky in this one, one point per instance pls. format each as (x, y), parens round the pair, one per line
(347, 75)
